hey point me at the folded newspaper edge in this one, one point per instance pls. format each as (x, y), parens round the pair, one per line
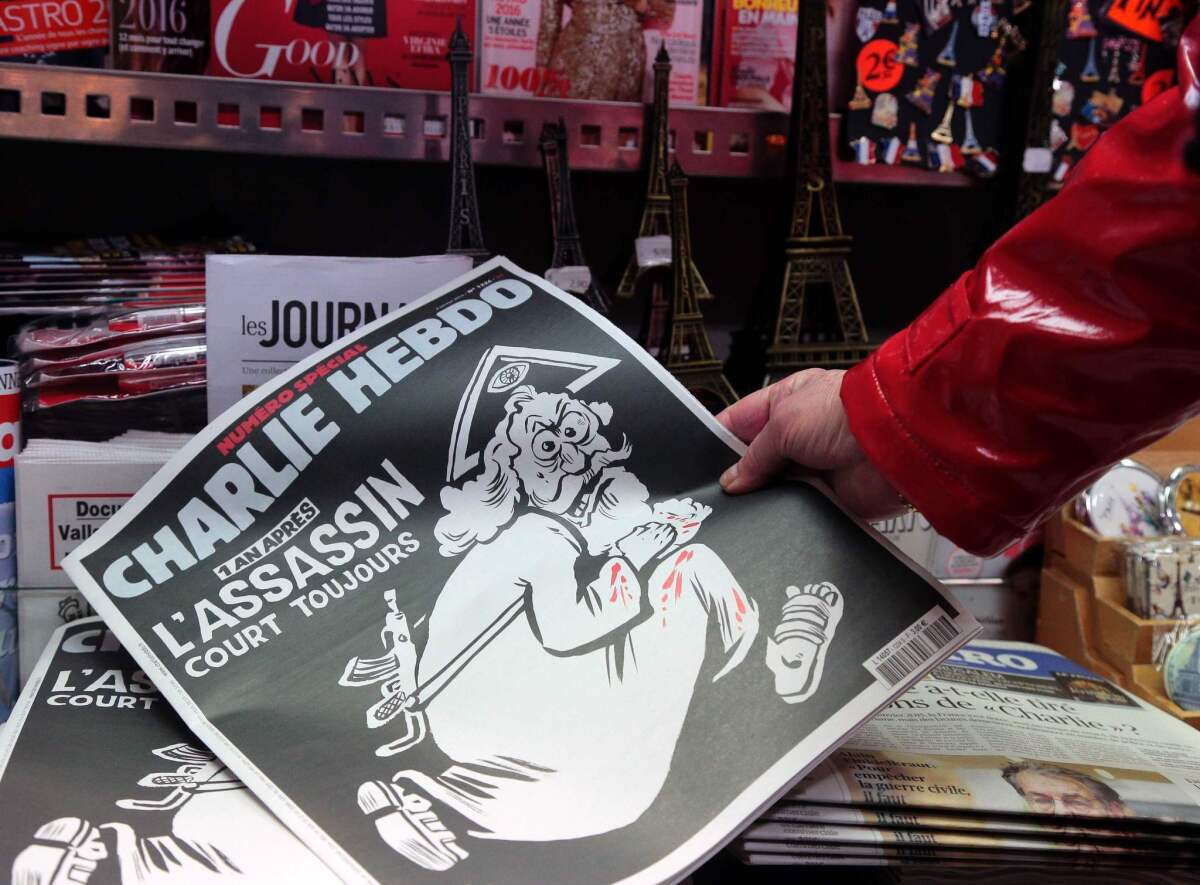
(951, 630)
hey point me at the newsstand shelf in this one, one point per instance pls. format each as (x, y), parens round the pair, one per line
(248, 116)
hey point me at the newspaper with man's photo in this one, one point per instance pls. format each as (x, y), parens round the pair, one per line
(459, 599)
(1014, 730)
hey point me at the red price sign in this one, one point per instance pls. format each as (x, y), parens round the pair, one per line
(878, 69)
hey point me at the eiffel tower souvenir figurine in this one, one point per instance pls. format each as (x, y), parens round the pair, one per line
(568, 267)
(946, 56)
(817, 248)
(656, 213)
(466, 235)
(1091, 73)
(686, 351)
(907, 54)
(1041, 129)
(1137, 65)
(548, 146)
(983, 18)
(937, 14)
(1079, 22)
(860, 100)
(970, 144)
(944, 134)
(993, 72)
(912, 149)
(921, 95)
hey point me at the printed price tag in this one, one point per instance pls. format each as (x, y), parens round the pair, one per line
(1037, 160)
(653, 251)
(574, 278)
(928, 636)
(877, 66)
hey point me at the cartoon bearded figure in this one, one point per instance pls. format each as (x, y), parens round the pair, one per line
(218, 833)
(563, 722)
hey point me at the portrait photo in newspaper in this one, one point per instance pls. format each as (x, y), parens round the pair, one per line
(1015, 729)
(459, 598)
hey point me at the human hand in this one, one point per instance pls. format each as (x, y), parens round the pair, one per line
(645, 542)
(798, 425)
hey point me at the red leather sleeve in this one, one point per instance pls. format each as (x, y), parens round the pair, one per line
(1074, 342)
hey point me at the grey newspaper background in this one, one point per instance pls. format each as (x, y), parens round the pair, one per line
(100, 782)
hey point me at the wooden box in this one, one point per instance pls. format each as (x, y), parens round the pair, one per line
(1147, 684)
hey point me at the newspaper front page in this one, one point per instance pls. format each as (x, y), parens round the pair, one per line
(1014, 728)
(101, 782)
(459, 598)
(969, 822)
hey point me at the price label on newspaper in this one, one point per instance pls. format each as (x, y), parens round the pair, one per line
(653, 251)
(476, 555)
(924, 641)
(574, 278)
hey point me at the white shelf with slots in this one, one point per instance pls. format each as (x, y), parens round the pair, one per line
(299, 119)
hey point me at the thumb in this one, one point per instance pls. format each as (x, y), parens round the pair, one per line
(763, 459)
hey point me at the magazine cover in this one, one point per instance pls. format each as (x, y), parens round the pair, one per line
(100, 782)
(1025, 825)
(398, 43)
(447, 597)
(277, 309)
(754, 53)
(164, 38)
(74, 32)
(599, 50)
(1015, 728)
(937, 861)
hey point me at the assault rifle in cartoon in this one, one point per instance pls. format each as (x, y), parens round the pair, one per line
(396, 673)
(199, 772)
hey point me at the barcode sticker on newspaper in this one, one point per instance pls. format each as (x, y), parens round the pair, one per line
(913, 648)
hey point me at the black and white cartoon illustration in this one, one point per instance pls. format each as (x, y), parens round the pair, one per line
(605, 631)
(796, 652)
(218, 833)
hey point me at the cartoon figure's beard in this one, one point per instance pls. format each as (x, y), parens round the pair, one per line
(556, 492)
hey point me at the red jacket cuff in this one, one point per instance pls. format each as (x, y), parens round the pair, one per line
(952, 507)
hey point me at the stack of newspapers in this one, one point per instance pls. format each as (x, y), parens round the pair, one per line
(1008, 753)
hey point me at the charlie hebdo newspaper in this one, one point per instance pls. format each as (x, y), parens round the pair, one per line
(459, 599)
(1016, 729)
(101, 782)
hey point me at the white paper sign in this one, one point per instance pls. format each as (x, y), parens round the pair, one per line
(653, 251)
(1038, 160)
(267, 312)
(574, 278)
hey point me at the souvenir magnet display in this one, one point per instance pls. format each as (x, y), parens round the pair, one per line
(947, 54)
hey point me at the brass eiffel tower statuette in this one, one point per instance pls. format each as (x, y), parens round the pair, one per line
(466, 235)
(656, 214)
(817, 249)
(1033, 187)
(548, 145)
(568, 250)
(686, 350)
